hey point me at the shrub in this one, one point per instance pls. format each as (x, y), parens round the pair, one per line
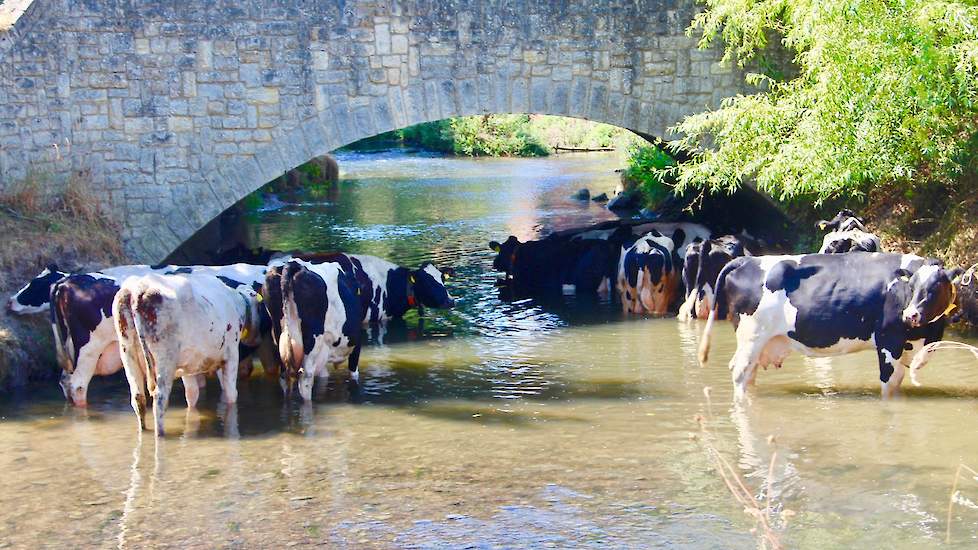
(651, 169)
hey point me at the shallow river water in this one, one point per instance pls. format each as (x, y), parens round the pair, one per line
(498, 424)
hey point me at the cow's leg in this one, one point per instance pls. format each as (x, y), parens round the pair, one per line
(230, 374)
(355, 363)
(891, 373)
(161, 399)
(743, 365)
(137, 392)
(191, 390)
(82, 376)
(307, 378)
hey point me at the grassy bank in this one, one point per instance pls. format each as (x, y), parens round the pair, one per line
(66, 227)
(504, 136)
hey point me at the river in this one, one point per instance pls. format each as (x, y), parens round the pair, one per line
(498, 424)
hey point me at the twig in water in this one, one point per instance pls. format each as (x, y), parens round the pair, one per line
(736, 485)
(920, 359)
(950, 502)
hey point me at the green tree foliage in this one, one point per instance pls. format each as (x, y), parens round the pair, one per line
(882, 92)
(496, 136)
(650, 168)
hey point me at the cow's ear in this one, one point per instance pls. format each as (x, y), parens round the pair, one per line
(495, 246)
(448, 272)
(821, 225)
(953, 274)
(903, 274)
(53, 268)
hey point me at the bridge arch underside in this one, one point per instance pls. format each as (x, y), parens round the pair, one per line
(179, 111)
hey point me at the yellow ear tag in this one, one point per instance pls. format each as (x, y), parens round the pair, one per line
(411, 278)
(904, 278)
(244, 334)
(259, 298)
(358, 292)
(496, 248)
(447, 276)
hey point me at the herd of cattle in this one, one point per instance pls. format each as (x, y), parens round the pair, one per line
(302, 313)
(847, 297)
(299, 313)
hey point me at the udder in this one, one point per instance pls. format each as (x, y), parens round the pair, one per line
(775, 351)
(109, 362)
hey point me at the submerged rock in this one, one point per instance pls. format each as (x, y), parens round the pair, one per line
(603, 197)
(581, 195)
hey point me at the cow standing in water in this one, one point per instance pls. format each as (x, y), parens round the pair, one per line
(85, 337)
(648, 276)
(847, 234)
(701, 267)
(319, 317)
(831, 304)
(182, 325)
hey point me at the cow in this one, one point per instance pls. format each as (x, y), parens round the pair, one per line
(319, 321)
(581, 261)
(844, 220)
(391, 290)
(84, 334)
(701, 266)
(35, 296)
(182, 325)
(648, 276)
(831, 304)
(848, 233)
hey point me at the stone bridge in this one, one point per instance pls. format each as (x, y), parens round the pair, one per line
(175, 110)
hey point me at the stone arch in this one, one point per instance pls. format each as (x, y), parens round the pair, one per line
(178, 110)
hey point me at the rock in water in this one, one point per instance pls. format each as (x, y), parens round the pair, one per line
(623, 201)
(603, 197)
(582, 195)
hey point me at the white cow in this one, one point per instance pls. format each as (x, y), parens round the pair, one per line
(182, 325)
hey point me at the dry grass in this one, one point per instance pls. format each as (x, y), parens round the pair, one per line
(65, 225)
(769, 537)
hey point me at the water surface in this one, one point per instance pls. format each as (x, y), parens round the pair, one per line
(497, 424)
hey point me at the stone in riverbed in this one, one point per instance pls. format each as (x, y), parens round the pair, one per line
(623, 201)
(603, 197)
(581, 195)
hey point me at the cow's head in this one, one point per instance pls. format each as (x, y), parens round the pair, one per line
(841, 219)
(504, 253)
(428, 285)
(932, 295)
(35, 297)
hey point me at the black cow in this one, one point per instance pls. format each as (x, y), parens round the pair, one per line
(701, 267)
(831, 304)
(848, 233)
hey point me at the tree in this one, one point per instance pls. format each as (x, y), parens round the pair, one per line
(880, 92)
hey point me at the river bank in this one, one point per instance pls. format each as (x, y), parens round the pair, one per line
(67, 228)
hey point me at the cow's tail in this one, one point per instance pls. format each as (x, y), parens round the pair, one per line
(686, 309)
(134, 352)
(64, 347)
(719, 310)
(291, 336)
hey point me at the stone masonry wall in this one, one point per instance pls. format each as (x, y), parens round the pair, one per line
(176, 110)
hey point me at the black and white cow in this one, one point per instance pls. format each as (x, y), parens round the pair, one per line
(848, 233)
(35, 296)
(391, 290)
(648, 276)
(320, 320)
(187, 325)
(701, 267)
(85, 337)
(831, 304)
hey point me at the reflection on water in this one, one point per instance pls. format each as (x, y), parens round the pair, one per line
(513, 424)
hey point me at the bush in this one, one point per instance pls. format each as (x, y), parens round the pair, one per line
(496, 136)
(651, 169)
